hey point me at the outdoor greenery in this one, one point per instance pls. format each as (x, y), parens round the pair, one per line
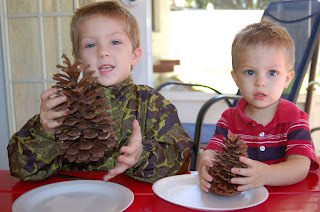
(222, 4)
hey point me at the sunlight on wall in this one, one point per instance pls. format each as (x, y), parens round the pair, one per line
(202, 41)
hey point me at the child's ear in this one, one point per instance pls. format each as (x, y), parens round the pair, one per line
(234, 76)
(136, 56)
(289, 78)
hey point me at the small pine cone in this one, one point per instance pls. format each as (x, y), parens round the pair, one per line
(229, 158)
(86, 133)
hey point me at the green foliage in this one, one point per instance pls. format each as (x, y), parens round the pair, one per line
(227, 4)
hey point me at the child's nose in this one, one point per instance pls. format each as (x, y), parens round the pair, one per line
(103, 52)
(260, 81)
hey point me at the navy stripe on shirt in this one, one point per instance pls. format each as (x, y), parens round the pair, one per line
(270, 153)
(221, 131)
(300, 134)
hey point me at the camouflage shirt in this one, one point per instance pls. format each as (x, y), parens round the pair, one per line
(33, 154)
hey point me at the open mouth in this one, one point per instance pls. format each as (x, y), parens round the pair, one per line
(259, 95)
(106, 68)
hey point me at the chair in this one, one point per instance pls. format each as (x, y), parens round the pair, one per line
(190, 128)
(192, 85)
(208, 128)
(302, 21)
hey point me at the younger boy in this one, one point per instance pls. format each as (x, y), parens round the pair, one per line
(277, 133)
(107, 37)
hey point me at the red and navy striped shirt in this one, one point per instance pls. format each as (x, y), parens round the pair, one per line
(287, 134)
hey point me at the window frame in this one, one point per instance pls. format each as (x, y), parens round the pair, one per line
(8, 78)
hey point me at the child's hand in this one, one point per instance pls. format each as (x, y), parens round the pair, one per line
(47, 115)
(131, 153)
(254, 176)
(206, 160)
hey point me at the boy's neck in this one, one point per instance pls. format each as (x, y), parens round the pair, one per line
(261, 115)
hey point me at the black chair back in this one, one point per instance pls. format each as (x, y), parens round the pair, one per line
(302, 21)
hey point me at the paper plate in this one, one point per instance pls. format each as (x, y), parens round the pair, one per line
(77, 196)
(185, 190)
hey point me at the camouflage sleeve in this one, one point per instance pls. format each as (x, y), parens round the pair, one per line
(166, 145)
(33, 154)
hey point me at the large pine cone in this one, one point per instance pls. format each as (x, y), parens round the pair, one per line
(86, 133)
(226, 160)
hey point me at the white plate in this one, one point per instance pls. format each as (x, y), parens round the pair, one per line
(77, 196)
(185, 190)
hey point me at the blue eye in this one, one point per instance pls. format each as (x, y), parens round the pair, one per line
(115, 42)
(272, 73)
(90, 45)
(250, 72)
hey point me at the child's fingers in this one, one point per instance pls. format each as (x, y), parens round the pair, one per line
(204, 186)
(51, 116)
(242, 171)
(205, 178)
(136, 131)
(241, 180)
(245, 171)
(56, 115)
(49, 126)
(49, 122)
(205, 182)
(45, 95)
(48, 105)
(206, 159)
(204, 174)
(47, 116)
(130, 149)
(127, 159)
(244, 187)
(130, 153)
(135, 143)
(208, 163)
(120, 168)
(247, 161)
(52, 124)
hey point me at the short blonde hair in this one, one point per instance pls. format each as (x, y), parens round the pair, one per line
(266, 33)
(108, 8)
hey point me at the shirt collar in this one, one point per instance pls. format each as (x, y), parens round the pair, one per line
(286, 112)
(123, 87)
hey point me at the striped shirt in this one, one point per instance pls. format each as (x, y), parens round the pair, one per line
(287, 134)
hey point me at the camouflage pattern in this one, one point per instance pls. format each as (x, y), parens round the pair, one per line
(33, 154)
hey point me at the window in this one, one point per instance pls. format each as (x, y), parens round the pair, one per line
(35, 33)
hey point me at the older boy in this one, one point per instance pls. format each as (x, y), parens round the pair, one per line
(106, 36)
(277, 133)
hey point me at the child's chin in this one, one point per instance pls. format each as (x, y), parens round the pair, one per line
(106, 83)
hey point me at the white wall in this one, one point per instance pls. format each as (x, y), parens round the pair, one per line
(189, 103)
(142, 73)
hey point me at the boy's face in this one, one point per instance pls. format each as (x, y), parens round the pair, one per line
(105, 46)
(262, 75)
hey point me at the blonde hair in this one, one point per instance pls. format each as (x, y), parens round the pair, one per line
(108, 8)
(265, 33)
